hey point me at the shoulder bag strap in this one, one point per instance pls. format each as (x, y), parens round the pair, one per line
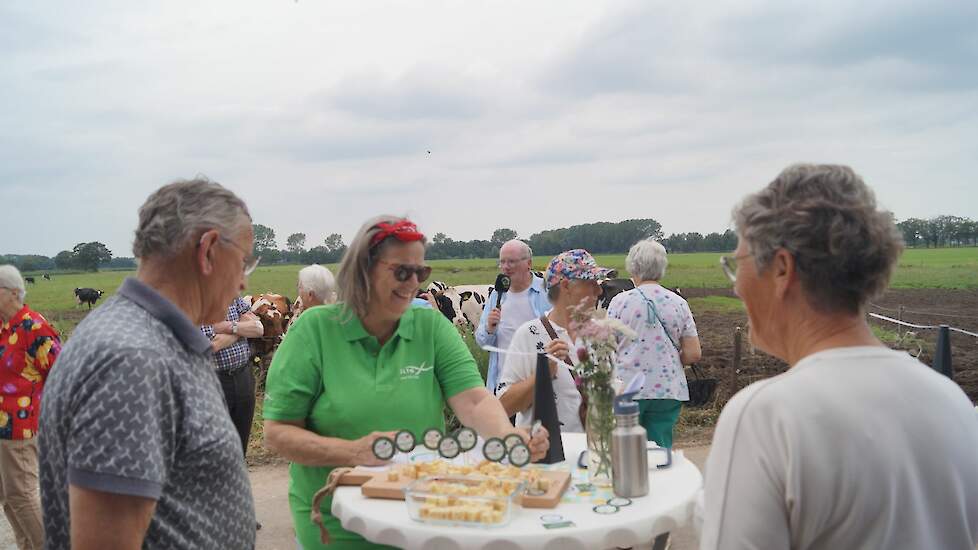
(553, 335)
(655, 314)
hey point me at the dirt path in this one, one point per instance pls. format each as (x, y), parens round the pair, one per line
(270, 486)
(6, 534)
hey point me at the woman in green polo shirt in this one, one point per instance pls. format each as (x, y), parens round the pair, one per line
(368, 366)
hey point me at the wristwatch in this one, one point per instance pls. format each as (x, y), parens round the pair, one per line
(234, 328)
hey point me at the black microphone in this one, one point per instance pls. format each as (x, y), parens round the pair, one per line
(501, 286)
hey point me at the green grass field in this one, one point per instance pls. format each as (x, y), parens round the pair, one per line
(919, 268)
(934, 268)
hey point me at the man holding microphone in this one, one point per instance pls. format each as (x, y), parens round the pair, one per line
(525, 300)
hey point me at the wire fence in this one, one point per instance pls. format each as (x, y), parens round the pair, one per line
(921, 327)
(735, 378)
(901, 310)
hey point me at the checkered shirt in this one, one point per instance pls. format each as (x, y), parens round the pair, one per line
(237, 354)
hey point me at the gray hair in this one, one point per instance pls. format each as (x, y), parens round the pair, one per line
(319, 281)
(10, 277)
(646, 260)
(178, 212)
(353, 274)
(527, 251)
(845, 248)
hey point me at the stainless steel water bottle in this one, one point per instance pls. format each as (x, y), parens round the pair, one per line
(629, 458)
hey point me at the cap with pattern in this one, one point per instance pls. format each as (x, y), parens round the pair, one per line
(576, 264)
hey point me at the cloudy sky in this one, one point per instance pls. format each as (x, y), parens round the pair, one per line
(537, 114)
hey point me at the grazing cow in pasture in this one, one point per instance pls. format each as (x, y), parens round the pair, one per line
(274, 311)
(29, 280)
(46, 277)
(87, 296)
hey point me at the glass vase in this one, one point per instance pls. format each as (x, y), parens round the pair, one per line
(600, 423)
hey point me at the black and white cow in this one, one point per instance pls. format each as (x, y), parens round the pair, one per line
(46, 277)
(460, 304)
(444, 303)
(613, 287)
(29, 280)
(87, 296)
(472, 301)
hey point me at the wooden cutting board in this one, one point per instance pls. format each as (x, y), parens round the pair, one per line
(359, 476)
(559, 481)
(379, 487)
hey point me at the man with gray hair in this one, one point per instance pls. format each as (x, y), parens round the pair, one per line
(525, 300)
(137, 448)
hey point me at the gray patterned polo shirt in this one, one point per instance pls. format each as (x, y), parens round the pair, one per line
(134, 408)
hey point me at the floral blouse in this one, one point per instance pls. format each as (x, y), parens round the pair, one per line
(661, 319)
(28, 348)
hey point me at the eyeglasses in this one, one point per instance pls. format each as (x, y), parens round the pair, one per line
(506, 263)
(248, 263)
(403, 272)
(729, 265)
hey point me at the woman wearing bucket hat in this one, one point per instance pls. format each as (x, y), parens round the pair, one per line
(572, 279)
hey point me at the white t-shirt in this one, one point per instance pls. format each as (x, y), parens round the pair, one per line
(860, 447)
(532, 338)
(515, 310)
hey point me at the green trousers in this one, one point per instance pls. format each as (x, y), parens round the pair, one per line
(658, 416)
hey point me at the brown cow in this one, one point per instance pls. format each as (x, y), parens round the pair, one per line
(274, 311)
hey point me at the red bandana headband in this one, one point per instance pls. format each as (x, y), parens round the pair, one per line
(404, 231)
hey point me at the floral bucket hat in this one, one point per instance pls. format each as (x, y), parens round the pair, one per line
(576, 264)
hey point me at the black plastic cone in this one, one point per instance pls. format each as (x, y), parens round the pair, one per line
(942, 353)
(545, 410)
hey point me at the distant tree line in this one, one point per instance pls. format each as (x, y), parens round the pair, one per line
(696, 242)
(295, 251)
(598, 238)
(83, 257)
(939, 231)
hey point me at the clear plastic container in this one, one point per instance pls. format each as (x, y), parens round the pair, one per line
(473, 501)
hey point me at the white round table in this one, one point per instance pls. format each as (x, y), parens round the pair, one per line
(668, 506)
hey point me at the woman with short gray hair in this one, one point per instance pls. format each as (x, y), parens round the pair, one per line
(666, 340)
(856, 445)
(29, 346)
(316, 287)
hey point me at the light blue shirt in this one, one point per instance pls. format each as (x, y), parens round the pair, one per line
(421, 302)
(540, 305)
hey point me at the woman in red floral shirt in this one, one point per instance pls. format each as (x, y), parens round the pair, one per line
(28, 348)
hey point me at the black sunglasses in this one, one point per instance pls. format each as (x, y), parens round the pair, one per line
(403, 272)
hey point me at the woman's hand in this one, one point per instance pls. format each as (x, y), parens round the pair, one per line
(558, 348)
(363, 449)
(539, 442)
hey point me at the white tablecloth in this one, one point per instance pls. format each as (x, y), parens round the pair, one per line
(668, 506)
